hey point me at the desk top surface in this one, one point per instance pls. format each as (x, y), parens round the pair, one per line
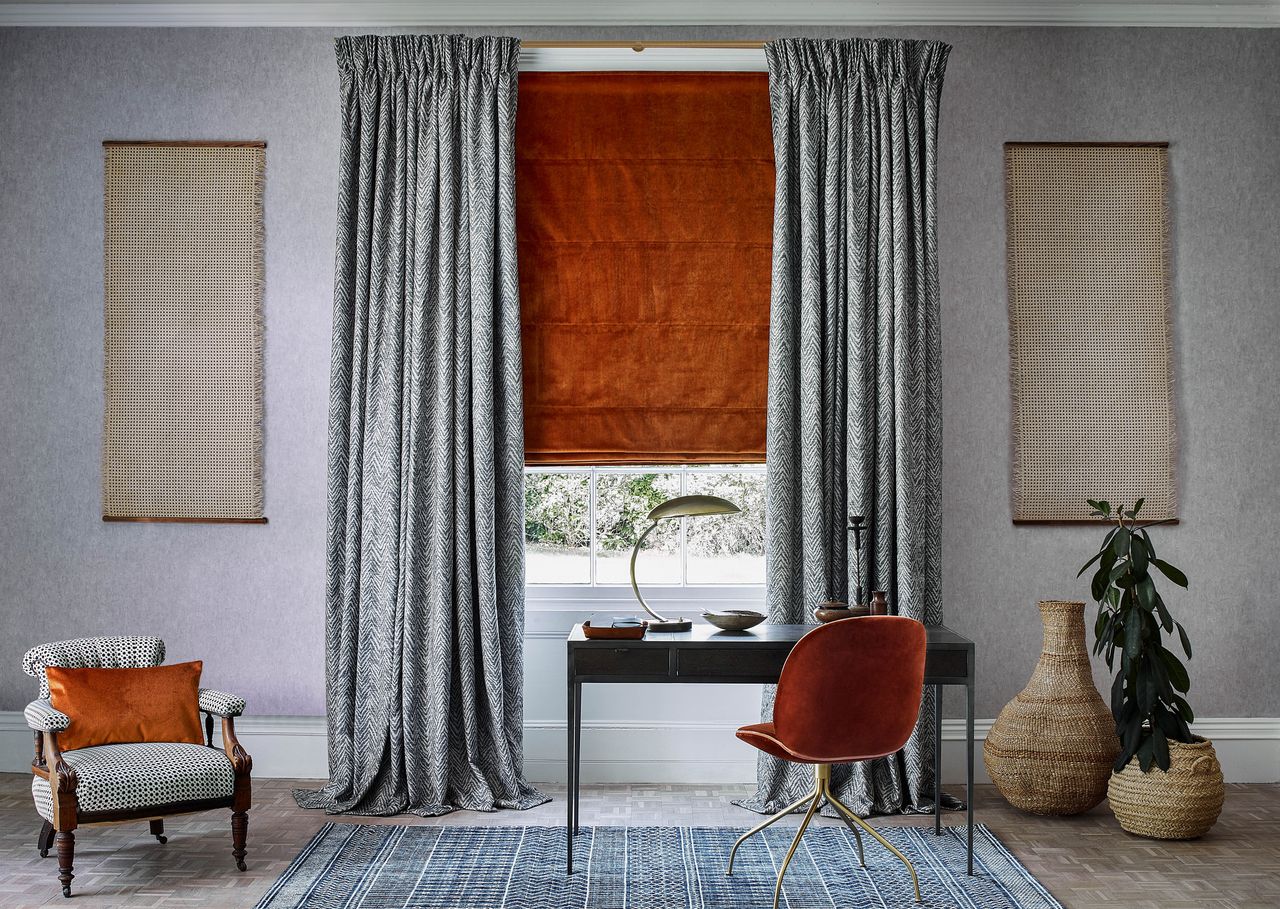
(767, 635)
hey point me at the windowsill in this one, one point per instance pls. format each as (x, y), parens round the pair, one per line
(550, 611)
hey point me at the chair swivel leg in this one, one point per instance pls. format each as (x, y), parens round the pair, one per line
(822, 779)
(765, 823)
(808, 816)
(851, 817)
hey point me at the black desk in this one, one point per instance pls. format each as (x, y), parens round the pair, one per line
(708, 655)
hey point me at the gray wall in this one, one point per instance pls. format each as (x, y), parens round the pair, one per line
(249, 600)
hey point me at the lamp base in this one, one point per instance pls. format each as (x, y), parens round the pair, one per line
(681, 624)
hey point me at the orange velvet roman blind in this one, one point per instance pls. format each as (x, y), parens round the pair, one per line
(644, 222)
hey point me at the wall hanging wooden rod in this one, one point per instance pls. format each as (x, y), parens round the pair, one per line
(639, 46)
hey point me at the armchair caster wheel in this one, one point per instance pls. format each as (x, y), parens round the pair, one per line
(241, 865)
(157, 830)
(66, 892)
(162, 840)
(44, 853)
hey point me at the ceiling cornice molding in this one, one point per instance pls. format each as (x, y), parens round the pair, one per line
(447, 13)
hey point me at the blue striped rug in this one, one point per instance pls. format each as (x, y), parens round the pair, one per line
(359, 866)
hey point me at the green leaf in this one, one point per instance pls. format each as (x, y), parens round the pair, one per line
(1168, 721)
(1146, 593)
(1132, 638)
(1120, 542)
(1166, 620)
(1184, 731)
(1146, 692)
(1101, 580)
(1137, 506)
(1146, 754)
(1170, 572)
(1160, 748)
(1186, 641)
(1177, 672)
(1138, 555)
(1184, 709)
(1086, 565)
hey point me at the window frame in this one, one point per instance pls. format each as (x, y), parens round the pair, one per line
(584, 598)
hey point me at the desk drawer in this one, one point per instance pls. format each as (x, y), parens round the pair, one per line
(622, 661)
(946, 664)
(730, 662)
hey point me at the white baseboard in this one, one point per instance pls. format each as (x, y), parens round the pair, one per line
(647, 752)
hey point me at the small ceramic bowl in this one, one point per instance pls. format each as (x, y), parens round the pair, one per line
(734, 619)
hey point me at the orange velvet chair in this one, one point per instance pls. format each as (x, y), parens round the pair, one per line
(849, 691)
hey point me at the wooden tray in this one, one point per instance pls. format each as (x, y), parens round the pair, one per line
(607, 632)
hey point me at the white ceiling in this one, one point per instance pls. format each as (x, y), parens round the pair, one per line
(393, 13)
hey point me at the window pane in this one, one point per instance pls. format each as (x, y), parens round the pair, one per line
(623, 500)
(557, 533)
(727, 549)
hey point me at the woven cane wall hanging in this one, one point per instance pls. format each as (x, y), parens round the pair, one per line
(183, 254)
(1089, 326)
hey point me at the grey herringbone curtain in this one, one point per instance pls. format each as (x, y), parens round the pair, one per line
(855, 415)
(425, 542)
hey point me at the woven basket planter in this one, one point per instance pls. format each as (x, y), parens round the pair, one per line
(1051, 748)
(1180, 804)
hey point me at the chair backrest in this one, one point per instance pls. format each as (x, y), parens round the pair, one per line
(134, 652)
(852, 687)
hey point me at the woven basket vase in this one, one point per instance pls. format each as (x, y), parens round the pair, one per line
(1051, 748)
(1178, 805)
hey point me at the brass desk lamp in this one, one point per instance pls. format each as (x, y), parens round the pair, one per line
(679, 507)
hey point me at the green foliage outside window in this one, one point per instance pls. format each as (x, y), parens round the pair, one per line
(557, 512)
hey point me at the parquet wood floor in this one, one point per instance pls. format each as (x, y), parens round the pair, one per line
(1087, 862)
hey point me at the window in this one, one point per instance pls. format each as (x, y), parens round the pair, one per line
(581, 522)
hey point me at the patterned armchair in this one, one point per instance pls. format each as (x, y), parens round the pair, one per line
(144, 781)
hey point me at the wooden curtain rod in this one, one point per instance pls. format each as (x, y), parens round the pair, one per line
(639, 46)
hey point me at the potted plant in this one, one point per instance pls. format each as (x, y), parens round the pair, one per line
(1166, 782)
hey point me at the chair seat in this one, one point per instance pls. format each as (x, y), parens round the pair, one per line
(143, 775)
(765, 737)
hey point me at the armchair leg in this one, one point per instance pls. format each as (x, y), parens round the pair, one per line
(239, 833)
(157, 830)
(45, 841)
(66, 841)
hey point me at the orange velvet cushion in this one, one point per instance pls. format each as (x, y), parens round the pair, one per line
(112, 706)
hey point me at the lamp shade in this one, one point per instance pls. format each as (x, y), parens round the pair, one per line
(692, 506)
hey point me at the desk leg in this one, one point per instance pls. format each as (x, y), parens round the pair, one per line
(937, 760)
(577, 754)
(571, 723)
(968, 786)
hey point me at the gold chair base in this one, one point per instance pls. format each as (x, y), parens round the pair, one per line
(821, 790)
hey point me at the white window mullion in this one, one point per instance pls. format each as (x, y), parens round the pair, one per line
(684, 529)
(591, 524)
